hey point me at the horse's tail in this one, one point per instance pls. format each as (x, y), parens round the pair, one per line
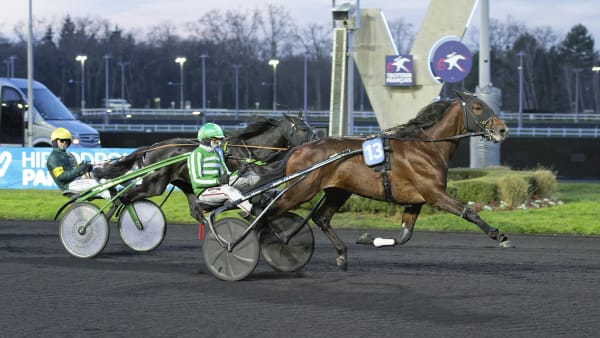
(119, 166)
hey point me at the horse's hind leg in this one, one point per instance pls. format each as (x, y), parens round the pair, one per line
(334, 199)
(409, 217)
(195, 209)
(152, 185)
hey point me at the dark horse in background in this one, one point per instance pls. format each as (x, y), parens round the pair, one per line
(415, 170)
(265, 140)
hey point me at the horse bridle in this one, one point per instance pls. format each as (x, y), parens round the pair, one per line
(474, 123)
(295, 129)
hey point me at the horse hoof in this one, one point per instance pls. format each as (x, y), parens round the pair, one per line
(366, 239)
(342, 263)
(506, 244)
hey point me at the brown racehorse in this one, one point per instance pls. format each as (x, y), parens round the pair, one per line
(415, 170)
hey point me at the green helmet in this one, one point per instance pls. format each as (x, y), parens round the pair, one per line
(210, 130)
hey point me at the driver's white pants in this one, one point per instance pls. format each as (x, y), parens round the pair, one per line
(82, 184)
(216, 196)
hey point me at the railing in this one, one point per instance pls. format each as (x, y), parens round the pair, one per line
(357, 130)
(187, 120)
(556, 132)
(187, 128)
(572, 118)
(318, 114)
(221, 113)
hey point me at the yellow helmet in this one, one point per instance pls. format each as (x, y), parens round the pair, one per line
(60, 133)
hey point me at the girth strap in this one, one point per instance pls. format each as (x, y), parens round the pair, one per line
(383, 168)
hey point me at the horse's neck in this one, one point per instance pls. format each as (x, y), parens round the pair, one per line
(272, 137)
(451, 124)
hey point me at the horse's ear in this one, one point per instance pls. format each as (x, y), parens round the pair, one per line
(462, 95)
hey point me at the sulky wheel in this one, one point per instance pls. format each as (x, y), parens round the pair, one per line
(238, 263)
(150, 230)
(79, 241)
(296, 253)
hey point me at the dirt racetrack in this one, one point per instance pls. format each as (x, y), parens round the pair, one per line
(436, 285)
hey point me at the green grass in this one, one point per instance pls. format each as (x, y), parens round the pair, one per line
(578, 215)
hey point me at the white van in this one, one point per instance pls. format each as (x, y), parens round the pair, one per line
(49, 114)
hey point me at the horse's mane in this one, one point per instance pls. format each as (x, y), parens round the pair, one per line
(256, 128)
(427, 117)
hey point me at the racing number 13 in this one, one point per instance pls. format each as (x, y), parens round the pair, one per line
(373, 151)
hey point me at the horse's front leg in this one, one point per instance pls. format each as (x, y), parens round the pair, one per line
(409, 218)
(451, 205)
(472, 216)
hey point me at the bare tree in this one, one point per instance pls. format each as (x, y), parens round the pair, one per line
(316, 40)
(403, 35)
(278, 30)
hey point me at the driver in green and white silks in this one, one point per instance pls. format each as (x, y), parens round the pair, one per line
(211, 180)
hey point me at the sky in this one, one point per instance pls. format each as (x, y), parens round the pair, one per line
(140, 15)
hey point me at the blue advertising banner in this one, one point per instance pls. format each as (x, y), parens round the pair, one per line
(399, 70)
(25, 168)
(452, 61)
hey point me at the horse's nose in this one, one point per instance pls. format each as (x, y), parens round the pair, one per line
(504, 132)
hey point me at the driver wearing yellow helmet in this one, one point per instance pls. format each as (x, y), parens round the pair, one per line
(62, 165)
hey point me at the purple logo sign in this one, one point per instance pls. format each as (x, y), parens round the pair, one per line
(452, 61)
(399, 70)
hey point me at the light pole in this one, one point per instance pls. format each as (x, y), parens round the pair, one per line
(273, 63)
(180, 60)
(203, 57)
(305, 101)
(236, 67)
(596, 69)
(122, 65)
(577, 71)
(82, 58)
(7, 63)
(106, 58)
(10, 65)
(30, 76)
(521, 54)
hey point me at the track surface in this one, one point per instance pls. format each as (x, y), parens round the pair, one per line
(438, 284)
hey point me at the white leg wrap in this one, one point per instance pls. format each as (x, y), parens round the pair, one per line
(379, 242)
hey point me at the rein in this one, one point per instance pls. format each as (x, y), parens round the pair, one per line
(449, 138)
(172, 145)
(256, 147)
(195, 145)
